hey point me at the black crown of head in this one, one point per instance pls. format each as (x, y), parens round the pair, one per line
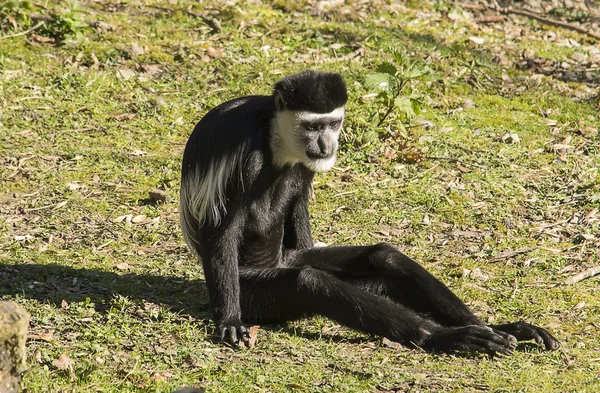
(314, 91)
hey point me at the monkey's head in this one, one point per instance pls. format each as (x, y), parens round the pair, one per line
(308, 119)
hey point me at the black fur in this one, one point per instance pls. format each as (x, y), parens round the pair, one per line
(259, 261)
(312, 91)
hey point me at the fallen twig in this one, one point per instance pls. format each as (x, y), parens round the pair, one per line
(37, 26)
(510, 254)
(530, 15)
(591, 272)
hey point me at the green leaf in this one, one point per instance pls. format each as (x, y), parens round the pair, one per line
(400, 56)
(404, 105)
(387, 68)
(414, 72)
(377, 81)
(370, 136)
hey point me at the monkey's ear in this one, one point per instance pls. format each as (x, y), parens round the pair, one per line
(279, 101)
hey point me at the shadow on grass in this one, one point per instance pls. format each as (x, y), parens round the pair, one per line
(54, 283)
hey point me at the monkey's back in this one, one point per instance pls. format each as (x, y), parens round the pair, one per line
(213, 159)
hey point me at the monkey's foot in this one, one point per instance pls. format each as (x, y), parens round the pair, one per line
(524, 331)
(473, 338)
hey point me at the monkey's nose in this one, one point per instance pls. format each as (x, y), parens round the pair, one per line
(315, 155)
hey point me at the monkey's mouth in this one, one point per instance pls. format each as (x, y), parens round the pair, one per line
(319, 155)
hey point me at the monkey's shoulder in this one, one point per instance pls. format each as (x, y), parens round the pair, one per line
(239, 115)
(231, 130)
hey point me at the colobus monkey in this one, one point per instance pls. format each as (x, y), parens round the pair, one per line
(247, 173)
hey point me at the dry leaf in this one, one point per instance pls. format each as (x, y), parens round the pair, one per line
(63, 362)
(477, 40)
(139, 219)
(253, 337)
(73, 186)
(154, 222)
(390, 153)
(391, 344)
(59, 205)
(42, 40)
(123, 266)
(467, 233)
(158, 377)
(589, 132)
(121, 218)
(215, 52)
(125, 116)
(48, 336)
(125, 73)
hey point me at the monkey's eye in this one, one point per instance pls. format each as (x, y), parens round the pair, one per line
(335, 124)
(312, 126)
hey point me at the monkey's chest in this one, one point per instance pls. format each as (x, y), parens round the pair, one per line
(264, 229)
(263, 236)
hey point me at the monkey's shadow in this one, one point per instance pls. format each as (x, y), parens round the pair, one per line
(54, 283)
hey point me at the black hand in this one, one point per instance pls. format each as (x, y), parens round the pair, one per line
(474, 338)
(525, 331)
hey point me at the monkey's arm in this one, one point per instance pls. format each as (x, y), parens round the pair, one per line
(222, 279)
(297, 227)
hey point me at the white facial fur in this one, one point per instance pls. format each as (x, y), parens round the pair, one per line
(288, 138)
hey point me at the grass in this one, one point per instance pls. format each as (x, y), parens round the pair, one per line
(91, 123)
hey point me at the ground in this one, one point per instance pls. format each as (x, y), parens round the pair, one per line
(484, 170)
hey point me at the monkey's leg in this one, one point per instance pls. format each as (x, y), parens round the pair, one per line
(387, 271)
(282, 294)
(393, 274)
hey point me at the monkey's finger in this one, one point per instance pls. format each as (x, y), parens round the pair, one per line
(506, 337)
(232, 334)
(502, 346)
(244, 333)
(538, 339)
(479, 344)
(549, 341)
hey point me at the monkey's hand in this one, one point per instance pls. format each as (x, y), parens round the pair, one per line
(233, 331)
(525, 331)
(472, 338)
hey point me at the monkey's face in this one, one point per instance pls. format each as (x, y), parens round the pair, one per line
(307, 137)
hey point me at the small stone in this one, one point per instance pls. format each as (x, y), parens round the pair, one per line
(579, 57)
(158, 195)
(479, 275)
(468, 104)
(511, 138)
(136, 50)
